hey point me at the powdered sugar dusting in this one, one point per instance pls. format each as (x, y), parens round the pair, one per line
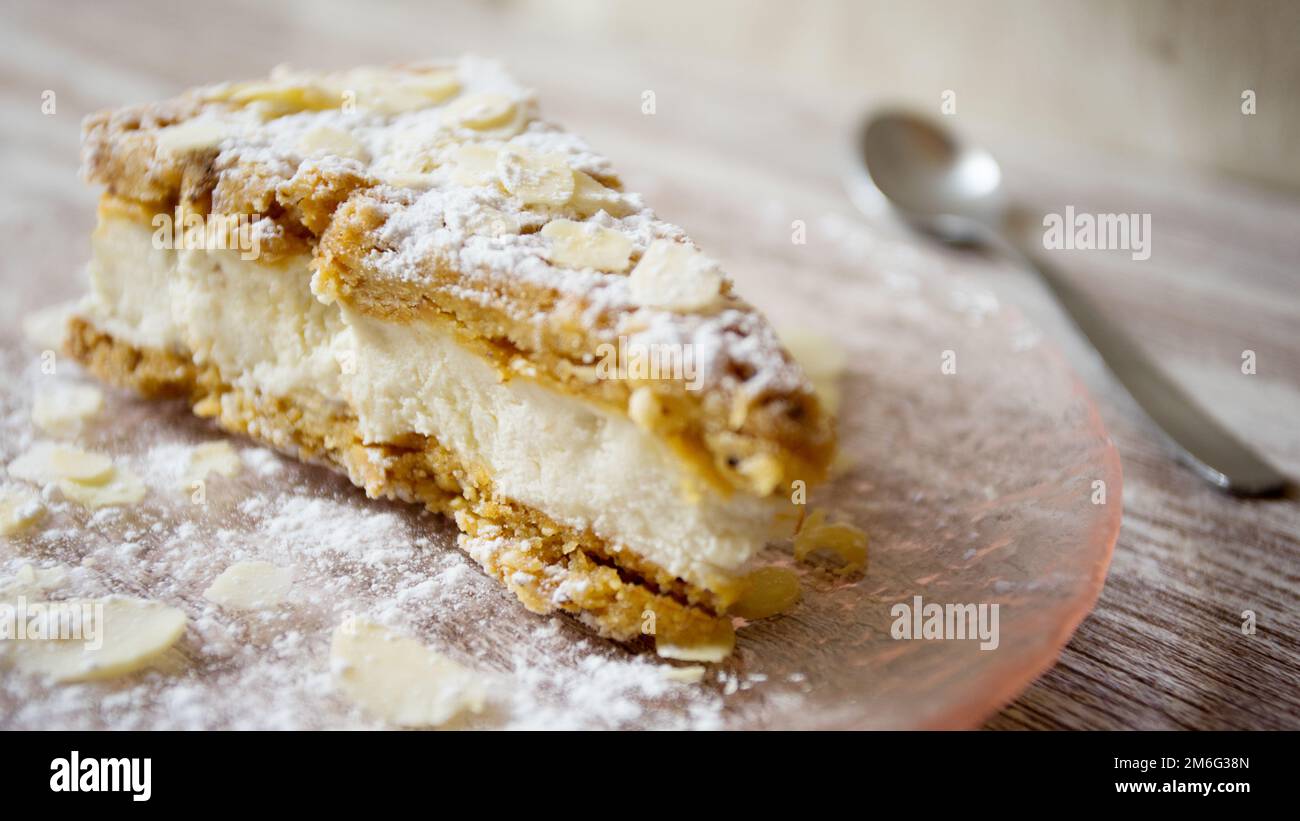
(351, 556)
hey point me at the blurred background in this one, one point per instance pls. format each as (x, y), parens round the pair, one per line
(1155, 79)
(1162, 79)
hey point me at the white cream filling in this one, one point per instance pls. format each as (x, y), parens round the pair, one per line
(581, 464)
(259, 324)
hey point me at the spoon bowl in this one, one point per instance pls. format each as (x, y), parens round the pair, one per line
(940, 185)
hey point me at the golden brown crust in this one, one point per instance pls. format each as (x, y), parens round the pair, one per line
(119, 151)
(548, 566)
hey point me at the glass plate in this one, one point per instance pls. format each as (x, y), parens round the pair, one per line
(987, 482)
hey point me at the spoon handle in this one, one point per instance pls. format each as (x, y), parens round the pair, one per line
(1200, 441)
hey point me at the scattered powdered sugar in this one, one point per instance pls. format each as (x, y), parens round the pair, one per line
(579, 155)
(350, 556)
(616, 693)
(262, 460)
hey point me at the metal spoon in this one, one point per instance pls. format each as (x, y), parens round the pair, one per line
(954, 193)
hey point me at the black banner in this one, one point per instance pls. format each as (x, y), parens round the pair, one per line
(142, 771)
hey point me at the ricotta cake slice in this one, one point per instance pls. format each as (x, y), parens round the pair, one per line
(406, 274)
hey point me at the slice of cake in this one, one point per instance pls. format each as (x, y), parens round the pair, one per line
(405, 274)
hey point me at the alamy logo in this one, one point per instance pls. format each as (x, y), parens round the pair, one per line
(1100, 232)
(52, 621)
(77, 774)
(190, 230)
(932, 622)
(640, 361)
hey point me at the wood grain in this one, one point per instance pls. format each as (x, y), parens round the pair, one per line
(1164, 648)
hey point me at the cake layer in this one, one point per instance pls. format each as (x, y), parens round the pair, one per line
(577, 462)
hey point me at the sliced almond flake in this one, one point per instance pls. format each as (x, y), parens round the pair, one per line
(47, 462)
(591, 197)
(491, 115)
(211, 457)
(284, 97)
(332, 141)
(409, 94)
(250, 586)
(399, 679)
(20, 508)
(536, 179)
(676, 277)
(193, 135)
(121, 488)
(583, 245)
(490, 222)
(396, 99)
(61, 410)
(101, 638)
(481, 111)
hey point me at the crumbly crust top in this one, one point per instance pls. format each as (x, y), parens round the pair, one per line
(434, 192)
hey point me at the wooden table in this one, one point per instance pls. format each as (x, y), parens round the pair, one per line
(1165, 647)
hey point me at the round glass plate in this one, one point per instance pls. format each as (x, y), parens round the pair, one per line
(973, 458)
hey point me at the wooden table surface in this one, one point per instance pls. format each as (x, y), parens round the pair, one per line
(1165, 646)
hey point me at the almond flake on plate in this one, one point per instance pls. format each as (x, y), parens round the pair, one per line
(46, 462)
(20, 508)
(60, 410)
(399, 679)
(121, 487)
(250, 586)
(92, 639)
